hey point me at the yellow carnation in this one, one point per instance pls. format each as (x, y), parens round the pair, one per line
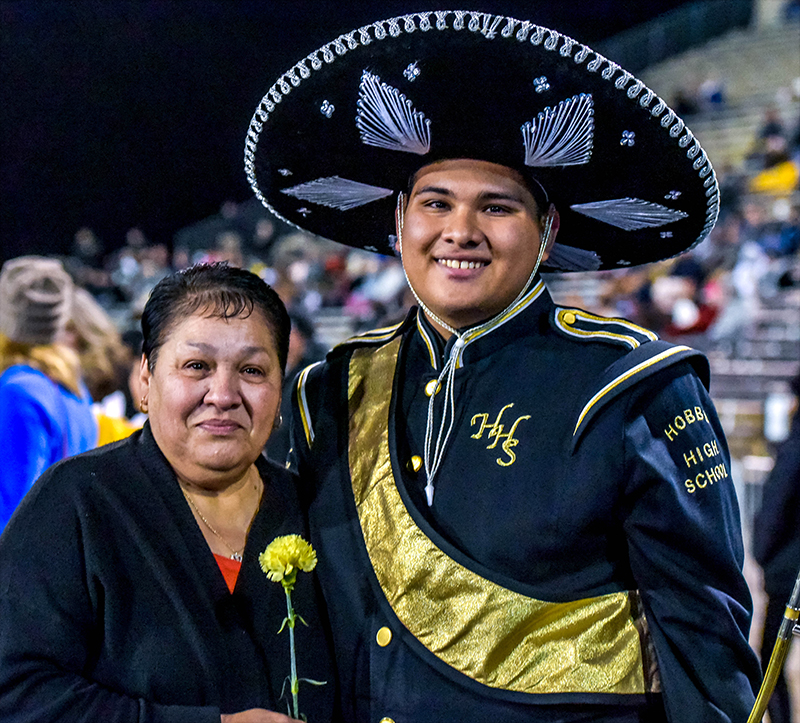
(286, 555)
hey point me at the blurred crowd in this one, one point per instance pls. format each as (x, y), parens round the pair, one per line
(704, 297)
(750, 255)
(714, 290)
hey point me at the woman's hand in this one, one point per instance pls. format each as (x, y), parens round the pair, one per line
(256, 715)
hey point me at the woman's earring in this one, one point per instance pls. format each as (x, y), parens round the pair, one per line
(278, 422)
(143, 404)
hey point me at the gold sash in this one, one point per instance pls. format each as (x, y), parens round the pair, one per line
(493, 635)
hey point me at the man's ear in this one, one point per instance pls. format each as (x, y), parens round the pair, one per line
(553, 219)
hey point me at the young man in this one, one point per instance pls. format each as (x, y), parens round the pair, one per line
(522, 512)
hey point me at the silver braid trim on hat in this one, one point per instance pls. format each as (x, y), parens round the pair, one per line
(386, 118)
(336, 192)
(629, 214)
(562, 135)
(491, 27)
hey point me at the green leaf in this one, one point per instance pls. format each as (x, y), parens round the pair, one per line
(313, 682)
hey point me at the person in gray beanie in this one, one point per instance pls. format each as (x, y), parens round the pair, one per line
(45, 409)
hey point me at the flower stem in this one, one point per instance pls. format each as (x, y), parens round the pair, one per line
(294, 683)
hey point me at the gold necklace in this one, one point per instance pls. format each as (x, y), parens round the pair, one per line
(235, 554)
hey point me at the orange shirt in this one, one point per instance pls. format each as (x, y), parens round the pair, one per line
(229, 568)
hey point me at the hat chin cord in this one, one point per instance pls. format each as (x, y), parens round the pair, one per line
(433, 454)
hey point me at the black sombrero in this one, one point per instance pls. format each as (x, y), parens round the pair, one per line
(341, 133)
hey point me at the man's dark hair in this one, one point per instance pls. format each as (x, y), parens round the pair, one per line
(218, 290)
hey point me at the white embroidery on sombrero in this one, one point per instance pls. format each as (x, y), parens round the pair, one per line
(386, 118)
(561, 136)
(335, 192)
(570, 258)
(629, 214)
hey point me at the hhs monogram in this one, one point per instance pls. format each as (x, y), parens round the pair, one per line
(496, 433)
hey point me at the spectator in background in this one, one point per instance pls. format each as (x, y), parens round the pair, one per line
(45, 408)
(85, 263)
(685, 102)
(712, 93)
(93, 335)
(679, 296)
(106, 363)
(780, 236)
(776, 546)
(771, 125)
(780, 173)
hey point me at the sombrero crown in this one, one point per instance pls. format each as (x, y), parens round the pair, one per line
(342, 132)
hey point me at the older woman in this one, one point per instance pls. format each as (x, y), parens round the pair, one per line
(130, 587)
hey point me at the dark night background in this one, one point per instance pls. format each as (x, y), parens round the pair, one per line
(119, 113)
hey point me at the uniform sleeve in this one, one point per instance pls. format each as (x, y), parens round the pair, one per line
(302, 429)
(51, 625)
(685, 547)
(30, 443)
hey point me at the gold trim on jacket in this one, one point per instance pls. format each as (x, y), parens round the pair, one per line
(494, 635)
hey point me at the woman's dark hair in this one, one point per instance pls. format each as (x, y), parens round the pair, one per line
(220, 290)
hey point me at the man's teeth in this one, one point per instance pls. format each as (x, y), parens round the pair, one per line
(454, 264)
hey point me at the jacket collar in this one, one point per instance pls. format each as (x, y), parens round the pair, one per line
(525, 317)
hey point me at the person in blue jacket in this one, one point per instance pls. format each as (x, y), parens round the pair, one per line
(45, 408)
(523, 511)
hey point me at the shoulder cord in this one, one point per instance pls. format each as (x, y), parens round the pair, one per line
(433, 459)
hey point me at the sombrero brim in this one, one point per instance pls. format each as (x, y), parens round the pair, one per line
(340, 134)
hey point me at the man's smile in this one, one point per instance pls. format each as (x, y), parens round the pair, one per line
(461, 264)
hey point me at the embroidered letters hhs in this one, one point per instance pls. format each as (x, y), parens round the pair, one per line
(496, 433)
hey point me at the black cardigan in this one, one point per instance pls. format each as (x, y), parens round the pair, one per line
(776, 533)
(113, 608)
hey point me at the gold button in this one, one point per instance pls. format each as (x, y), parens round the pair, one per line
(569, 318)
(432, 387)
(386, 720)
(384, 637)
(415, 463)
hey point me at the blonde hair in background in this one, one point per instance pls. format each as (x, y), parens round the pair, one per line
(56, 361)
(104, 358)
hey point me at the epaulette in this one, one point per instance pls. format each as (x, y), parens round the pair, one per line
(636, 366)
(302, 402)
(579, 324)
(374, 337)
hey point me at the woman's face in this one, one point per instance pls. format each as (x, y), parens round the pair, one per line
(213, 396)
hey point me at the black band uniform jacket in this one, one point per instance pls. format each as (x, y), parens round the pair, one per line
(581, 559)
